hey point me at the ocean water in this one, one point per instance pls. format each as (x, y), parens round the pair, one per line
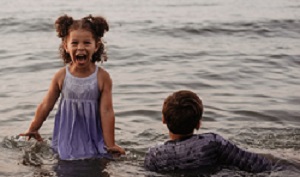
(241, 57)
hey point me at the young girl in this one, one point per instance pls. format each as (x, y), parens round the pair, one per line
(84, 122)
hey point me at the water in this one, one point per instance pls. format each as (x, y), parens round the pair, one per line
(241, 57)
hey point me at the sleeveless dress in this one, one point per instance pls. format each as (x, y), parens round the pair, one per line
(207, 151)
(77, 128)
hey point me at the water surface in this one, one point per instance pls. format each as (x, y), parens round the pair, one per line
(241, 57)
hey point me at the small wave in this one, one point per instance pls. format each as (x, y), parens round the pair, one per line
(31, 68)
(16, 25)
(2, 51)
(188, 4)
(138, 112)
(270, 138)
(150, 135)
(271, 28)
(292, 60)
(258, 115)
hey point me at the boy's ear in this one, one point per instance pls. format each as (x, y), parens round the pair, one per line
(163, 119)
(198, 125)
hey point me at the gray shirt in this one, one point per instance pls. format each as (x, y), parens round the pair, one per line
(203, 151)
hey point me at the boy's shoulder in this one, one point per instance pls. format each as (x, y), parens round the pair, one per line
(161, 156)
(196, 137)
(189, 141)
(196, 141)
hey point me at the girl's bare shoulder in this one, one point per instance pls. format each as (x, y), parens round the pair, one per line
(60, 74)
(104, 80)
(59, 77)
(103, 74)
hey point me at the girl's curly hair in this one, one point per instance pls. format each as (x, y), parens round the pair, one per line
(96, 25)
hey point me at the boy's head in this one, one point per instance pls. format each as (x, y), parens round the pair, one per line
(182, 112)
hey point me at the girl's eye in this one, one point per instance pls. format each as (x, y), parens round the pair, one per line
(74, 43)
(87, 42)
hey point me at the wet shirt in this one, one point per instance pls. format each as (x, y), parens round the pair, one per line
(203, 151)
(77, 129)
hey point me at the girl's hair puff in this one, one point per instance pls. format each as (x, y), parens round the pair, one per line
(96, 25)
(62, 25)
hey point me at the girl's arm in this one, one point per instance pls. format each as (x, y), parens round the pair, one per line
(107, 115)
(45, 107)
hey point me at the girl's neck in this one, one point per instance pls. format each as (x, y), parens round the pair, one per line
(82, 71)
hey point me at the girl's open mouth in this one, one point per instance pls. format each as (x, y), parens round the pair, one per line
(81, 57)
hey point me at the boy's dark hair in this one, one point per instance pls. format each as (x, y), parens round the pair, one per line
(96, 25)
(182, 111)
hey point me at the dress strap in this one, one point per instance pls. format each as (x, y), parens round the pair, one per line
(92, 75)
(96, 70)
(67, 70)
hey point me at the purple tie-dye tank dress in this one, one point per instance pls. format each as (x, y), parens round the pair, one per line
(77, 130)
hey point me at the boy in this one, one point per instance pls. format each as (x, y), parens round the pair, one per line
(182, 113)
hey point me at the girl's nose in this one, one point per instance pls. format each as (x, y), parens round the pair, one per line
(80, 46)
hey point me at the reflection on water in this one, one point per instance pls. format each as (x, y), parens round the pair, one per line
(80, 168)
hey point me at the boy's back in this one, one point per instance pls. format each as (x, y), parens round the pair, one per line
(182, 113)
(203, 152)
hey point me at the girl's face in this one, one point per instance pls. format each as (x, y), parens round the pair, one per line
(81, 46)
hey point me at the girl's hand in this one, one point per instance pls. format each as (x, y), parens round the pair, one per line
(116, 150)
(34, 134)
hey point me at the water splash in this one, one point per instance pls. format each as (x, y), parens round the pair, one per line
(34, 153)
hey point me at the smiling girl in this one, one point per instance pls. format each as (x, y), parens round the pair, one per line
(83, 127)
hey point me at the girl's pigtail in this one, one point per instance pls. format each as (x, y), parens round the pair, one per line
(62, 25)
(104, 51)
(99, 25)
